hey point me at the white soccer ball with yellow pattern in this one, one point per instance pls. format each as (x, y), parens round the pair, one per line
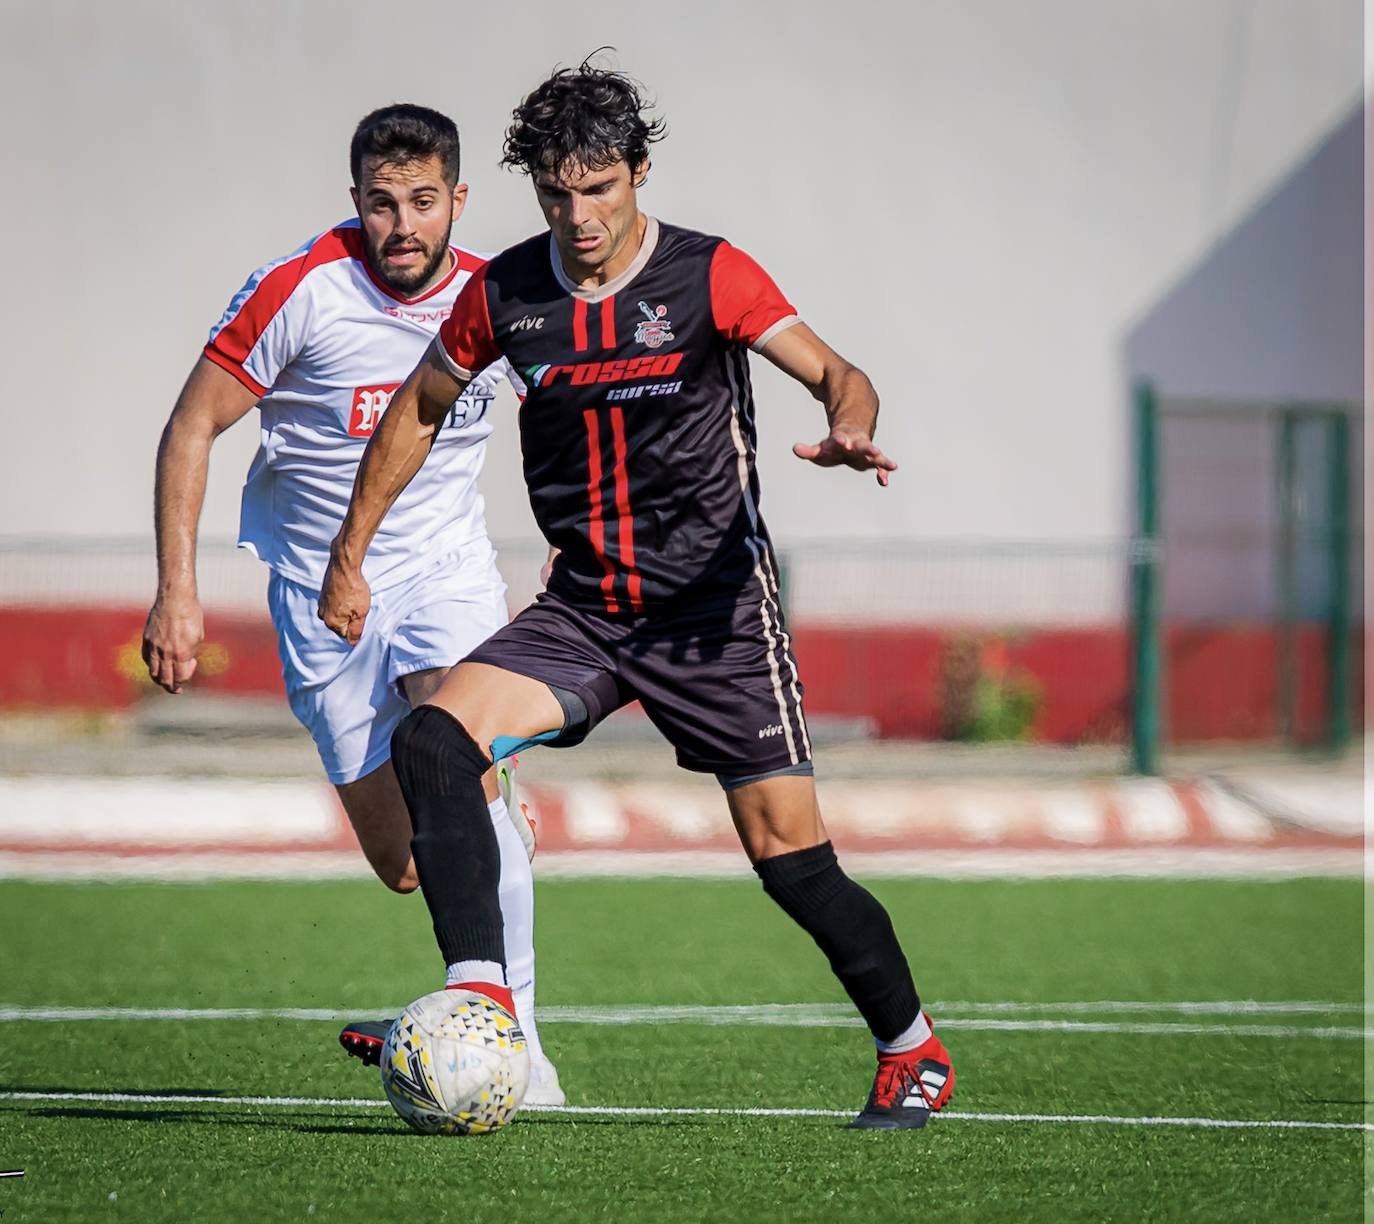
(455, 1063)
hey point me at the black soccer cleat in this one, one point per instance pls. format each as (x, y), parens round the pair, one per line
(364, 1039)
(908, 1089)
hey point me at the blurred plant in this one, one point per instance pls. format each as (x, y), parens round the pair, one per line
(128, 661)
(982, 699)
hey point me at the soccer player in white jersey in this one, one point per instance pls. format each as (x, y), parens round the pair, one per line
(318, 341)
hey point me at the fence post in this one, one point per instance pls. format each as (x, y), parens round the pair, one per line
(1145, 695)
(1338, 614)
(785, 584)
(1286, 575)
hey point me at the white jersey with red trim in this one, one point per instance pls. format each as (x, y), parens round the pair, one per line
(325, 345)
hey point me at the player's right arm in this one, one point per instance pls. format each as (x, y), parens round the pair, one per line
(260, 333)
(396, 451)
(210, 402)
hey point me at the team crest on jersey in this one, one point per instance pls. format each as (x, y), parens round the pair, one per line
(368, 405)
(656, 329)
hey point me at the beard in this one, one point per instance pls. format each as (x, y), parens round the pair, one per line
(406, 282)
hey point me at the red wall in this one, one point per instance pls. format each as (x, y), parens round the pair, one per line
(89, 657)
(1221, 680)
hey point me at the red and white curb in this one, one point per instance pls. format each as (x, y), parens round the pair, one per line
(113, 827)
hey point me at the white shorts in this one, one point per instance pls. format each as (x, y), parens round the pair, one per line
(349, 698)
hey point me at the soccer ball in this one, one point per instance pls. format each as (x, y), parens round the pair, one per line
(455, 1063)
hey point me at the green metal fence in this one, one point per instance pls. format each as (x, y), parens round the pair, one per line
(1245, 512)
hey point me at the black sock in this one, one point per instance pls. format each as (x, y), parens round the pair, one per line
(852, 928)
(457, 858)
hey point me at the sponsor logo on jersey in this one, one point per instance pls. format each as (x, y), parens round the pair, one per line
(584, 373)
(432, 316)
(471, 406)
(656, 329)
(370, 402)
(368, 405)
(642, 389)
(769, 732)
(528, 323)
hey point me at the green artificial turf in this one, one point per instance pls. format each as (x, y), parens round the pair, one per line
(602, 944)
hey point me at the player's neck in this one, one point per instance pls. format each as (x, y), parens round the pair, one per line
(614, 266)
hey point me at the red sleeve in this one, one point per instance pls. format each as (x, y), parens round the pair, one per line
(230, 366)
(465, 337)
(745, 303)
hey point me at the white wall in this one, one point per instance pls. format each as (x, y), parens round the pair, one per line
(973, 199)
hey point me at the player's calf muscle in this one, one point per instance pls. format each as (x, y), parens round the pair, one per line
(377, 812)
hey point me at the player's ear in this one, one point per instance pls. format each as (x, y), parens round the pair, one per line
(639, 174)
(357, 206)
(460, 199)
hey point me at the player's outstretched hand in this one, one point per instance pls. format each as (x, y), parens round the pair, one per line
(172, 634)
(850, 447)
(345, 600)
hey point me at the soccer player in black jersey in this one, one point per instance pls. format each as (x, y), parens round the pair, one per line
(632, 337)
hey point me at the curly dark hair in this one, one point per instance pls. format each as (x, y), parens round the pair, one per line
(584, 117)
(404, 133)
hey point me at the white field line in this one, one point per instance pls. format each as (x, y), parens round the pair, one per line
(839, 1016)
(1221, 1007)
(1173, 1030)
(795, 1015)
(1145, 862)
(646, 1111)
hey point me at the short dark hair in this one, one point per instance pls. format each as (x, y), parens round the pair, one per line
(584, 117)
(405, 133)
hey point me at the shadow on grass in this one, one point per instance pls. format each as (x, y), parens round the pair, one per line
(142, 1090)
(208, 1116)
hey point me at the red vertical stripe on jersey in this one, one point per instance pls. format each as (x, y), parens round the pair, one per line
(622, 508)
(598, 527)
(579, 325)
(608, 323)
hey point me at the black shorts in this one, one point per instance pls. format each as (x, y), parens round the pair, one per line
(716, 676)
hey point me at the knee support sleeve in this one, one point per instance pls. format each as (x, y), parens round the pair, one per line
(457, 856)
(852, 928)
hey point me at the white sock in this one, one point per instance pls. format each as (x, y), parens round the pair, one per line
(517, 911)
(475, 971)
(917, 1034)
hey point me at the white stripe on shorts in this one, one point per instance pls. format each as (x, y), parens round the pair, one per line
(760, 552)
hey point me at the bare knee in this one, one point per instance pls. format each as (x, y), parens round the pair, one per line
(776, 816)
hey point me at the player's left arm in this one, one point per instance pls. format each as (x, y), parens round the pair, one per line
(747, 307)
(851, 404)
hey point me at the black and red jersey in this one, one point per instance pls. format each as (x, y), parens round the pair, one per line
(638, 428)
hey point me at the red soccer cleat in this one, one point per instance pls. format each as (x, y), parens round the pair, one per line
(908, 1088)
(364, 1039)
